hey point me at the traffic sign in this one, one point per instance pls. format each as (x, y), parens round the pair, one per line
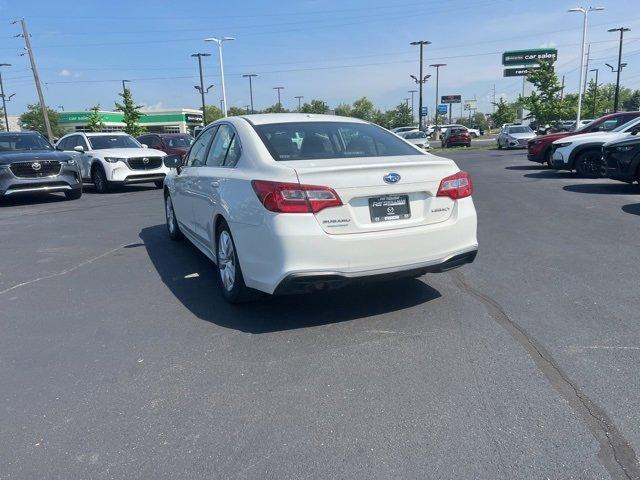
(424, 111)
(442, 108)
(451, 99)
(519, 71)
(529, 57)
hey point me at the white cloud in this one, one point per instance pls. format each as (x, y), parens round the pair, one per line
(64, 73)
(155, 106)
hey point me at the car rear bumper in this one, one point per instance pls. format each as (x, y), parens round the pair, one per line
(296, 247)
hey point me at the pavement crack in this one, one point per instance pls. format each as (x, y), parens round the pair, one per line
(65, 271)
(616, 453)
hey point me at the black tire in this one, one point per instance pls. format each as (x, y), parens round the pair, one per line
(230, 276)
(172, 222)
(547, 158)
(589, 164)
(499, 145)
(159, 183)
(468, 145)
(99, 180)
(73, 194)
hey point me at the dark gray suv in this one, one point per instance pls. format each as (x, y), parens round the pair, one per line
(29, 164)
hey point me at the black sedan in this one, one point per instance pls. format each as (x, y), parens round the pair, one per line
(30, 164)
(622, 159)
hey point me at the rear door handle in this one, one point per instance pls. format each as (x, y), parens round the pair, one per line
(215, 184)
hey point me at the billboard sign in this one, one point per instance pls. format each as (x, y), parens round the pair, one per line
(451, 99)
(470, 104)
(519, 71)
(529, 57)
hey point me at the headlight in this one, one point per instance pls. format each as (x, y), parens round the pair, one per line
(114, 159)
(560, 145)
(625, 148)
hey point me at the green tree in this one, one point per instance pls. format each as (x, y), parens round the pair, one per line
(275, 108)
(94, 122)
(315, 106)
(213, 113)
(33, 119)
(505, 113)
(131, 113)
(235, 111)
(363, 108)
(343, 110)
(544, 103)
(400, 116)
(633, 102)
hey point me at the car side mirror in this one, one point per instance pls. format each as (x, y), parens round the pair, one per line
(79, 149)
(173, 161)
(144, 145)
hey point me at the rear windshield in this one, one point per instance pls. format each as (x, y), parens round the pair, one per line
(183, 141)
(34, 141)
(520, 130)
(102, 142)
(415, 135)
(324, 140)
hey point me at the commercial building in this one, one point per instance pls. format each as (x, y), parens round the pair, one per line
(156, 121)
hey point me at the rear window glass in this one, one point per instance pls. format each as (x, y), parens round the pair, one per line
(520, 130)
(324, 140)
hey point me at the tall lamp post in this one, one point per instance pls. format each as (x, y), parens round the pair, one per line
(616, 97)
(219, 41)
(201, 89)
(437, 67)
(595, 93)
(279, 103)
(299, 97)
(250, 76)
(422, 80)
(585, 14)
(412, 109)
(4, 101)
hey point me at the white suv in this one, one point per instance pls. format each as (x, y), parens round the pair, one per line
(116, 158)
(583, 153)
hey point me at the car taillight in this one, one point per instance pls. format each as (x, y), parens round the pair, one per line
(284, 197)
(456, 186)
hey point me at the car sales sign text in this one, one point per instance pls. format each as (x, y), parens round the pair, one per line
(528, 57)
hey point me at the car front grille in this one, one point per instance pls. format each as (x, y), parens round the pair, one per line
(145, 163)
(523, 142)
(36, 168)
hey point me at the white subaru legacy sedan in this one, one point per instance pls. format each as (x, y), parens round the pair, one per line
(294, 203)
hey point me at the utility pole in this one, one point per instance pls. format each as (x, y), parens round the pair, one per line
(299, 97)
(4, 101)
(562, 90)
(617, 94)
(279, 103)
(586, 70)
(595, 93)
(36, 79)
(412, 109)
(406, 100)
(250, 77)
(422, 80)
(199, 56)
(437, 67)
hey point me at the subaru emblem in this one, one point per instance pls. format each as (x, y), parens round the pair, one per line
(391, 178)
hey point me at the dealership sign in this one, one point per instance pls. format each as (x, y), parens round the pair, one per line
(529, 57)
(519, 71)
(451, 99)
(470, 105)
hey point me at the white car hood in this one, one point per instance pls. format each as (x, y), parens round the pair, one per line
(592, 137)
(128, 152)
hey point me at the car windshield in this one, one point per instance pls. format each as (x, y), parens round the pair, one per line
(19, 142)
(324, 140)
(520, 130)
(415, 135)
(102, 142)
(183, 141)
(624, 127)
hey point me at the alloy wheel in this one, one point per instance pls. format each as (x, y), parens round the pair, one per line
(226, 260)
(171, 218)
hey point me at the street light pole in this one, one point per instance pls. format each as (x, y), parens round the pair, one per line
(220, 41)
(595, 93)
(199, 56)
(585, 13)
(422, 43)
(299, 97)
(279, 103)
(437, 67)
(250, 76)
(616, 97)
(412, 109)
(4, 101)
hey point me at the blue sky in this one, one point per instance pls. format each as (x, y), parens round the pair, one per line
(333, 50)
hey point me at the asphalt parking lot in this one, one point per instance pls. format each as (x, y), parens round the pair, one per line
(120, 359)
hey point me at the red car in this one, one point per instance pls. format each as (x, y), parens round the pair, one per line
(170, 143)
(456, 136)
(539, 148)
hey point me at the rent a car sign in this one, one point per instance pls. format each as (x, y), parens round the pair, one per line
(528, 57)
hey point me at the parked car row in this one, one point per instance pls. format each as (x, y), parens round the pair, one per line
(607, 147)
(30, 164)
